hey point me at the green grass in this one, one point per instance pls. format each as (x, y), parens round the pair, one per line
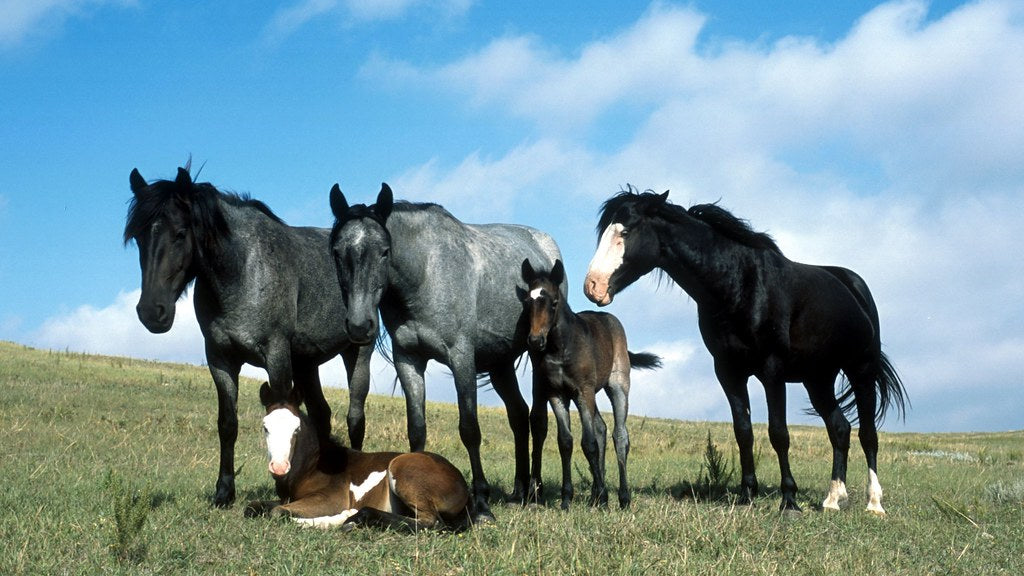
(90, 445)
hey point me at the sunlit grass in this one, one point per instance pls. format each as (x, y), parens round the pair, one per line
(69, 420)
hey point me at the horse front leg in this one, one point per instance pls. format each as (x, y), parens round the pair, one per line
(560, 407)
(734, 384)
(225, 378)
(306, 376)
(410, 371)
(539, 432)
(507, 386)
(778, 433)
(357, 369)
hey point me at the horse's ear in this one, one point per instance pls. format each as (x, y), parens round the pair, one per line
(528, 273)
(137, 181)
(183, 178)
(557, 273)
(385, 201)
(265, 395)
(663, 197)
(339, 206)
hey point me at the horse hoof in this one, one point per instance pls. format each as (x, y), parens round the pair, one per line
(482, 518)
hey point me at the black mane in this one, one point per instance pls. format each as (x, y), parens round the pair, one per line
(732, 227)
(199, 199)
(718, 218)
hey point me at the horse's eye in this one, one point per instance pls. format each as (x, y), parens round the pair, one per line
(180, 235)
(623, 233)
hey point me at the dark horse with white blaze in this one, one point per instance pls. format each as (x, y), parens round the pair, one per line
(324, 484)
(447, 292)
(574, 356)
(266, 294)
(764, 315)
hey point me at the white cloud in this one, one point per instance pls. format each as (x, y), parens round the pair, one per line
(116, 330)
(20, 19)
(288, 20)
(893, 151)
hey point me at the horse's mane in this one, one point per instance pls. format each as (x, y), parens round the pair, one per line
(732, 227)
(198, 198)
(718, 218)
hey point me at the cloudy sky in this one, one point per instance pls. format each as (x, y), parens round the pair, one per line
(884, 137)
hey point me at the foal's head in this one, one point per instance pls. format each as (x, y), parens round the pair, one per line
(361, 247)
(543, 302)
(281, 428)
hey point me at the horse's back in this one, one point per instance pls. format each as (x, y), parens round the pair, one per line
(458, 284)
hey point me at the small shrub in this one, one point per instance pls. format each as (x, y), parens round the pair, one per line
(130, 508)
(715, 474)
(1006, 492)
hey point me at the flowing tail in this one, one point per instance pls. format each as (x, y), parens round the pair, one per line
(891, 393)
(644, 360)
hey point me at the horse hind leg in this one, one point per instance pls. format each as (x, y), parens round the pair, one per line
(593, 428)
(620, 434)
(866, 398)
(822, 396)
(428, 490)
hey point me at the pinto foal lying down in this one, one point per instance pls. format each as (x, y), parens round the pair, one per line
(324, 484)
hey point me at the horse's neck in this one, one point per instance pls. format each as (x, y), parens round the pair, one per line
(693, 257)
(410, 245)
(562, 336)
(226, 263)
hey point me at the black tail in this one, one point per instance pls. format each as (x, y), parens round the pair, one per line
(644, 360)
(891, 393)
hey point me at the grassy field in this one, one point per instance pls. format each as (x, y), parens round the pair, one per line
(109, 466)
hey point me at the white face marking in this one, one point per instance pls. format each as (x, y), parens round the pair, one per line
(279, 428)
(371, 481)
(609, 253)
(536, 293)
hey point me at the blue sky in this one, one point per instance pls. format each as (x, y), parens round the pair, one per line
(885, 137)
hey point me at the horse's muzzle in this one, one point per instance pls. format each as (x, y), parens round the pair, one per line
(157, 318)
(537, 343)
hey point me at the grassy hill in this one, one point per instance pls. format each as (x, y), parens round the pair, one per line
(91, 444)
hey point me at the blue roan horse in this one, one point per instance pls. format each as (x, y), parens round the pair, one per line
(265, 294)
(760, 314)
(447, 292)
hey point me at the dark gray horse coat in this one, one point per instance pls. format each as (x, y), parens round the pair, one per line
(449, 295)
(266, 294)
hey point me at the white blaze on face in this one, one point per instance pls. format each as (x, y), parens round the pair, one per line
(279, 429)
(536, 293)
(607, 259)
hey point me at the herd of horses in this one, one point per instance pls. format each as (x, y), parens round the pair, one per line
(475, 298)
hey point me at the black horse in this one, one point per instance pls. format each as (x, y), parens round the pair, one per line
(266, 294)
(447, 292)
(764, 315)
